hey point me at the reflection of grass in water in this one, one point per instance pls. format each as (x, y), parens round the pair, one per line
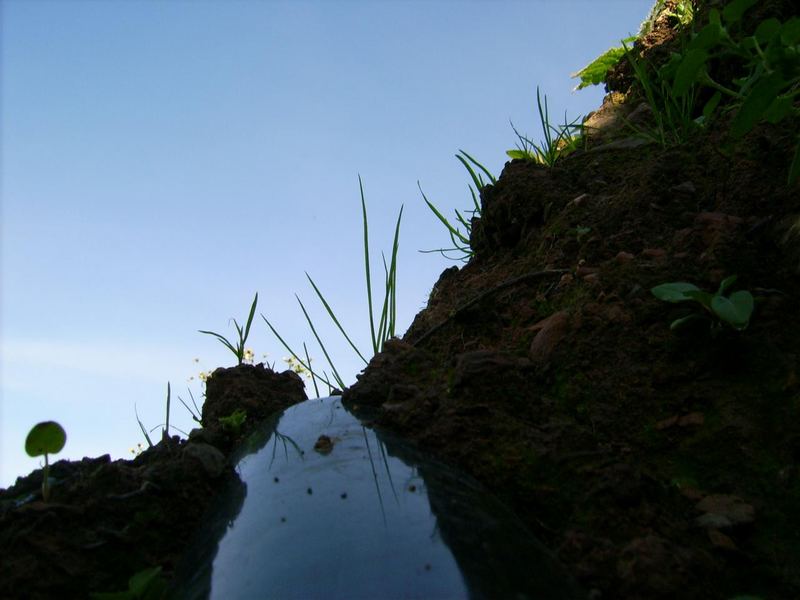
(276, 436)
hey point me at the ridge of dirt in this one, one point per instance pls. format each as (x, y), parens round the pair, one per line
(658, 464)
(107, 520)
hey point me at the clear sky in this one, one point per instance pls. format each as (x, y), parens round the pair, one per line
(164, 160)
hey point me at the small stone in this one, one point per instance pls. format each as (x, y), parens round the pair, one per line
(580, 200)
(584, 271)
(592, 278)
(694, 418)
(323, 445)
(565, 280)
(654, 253)
(687, 188)
(720, 540)
(722, 510)
(211, 459)
(666, 423)
(550, 332)
(624, 257)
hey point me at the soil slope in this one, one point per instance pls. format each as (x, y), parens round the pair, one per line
(655, 463)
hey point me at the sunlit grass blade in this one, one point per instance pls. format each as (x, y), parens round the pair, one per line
(336, 375)
(296, 356)
(224, 341)
(165, 434)
(195, 415)
(334, 319)
(366, 266)
(249, 320)
(479, 183)
(141, 426)
(313, 377)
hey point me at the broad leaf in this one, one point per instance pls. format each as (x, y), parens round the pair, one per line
(757, 102)
(595, 72)
(47, 437)
(702, 297)
(735, 310)
(673, 292)
(684, 320)
(790, 32)
(778, 110)
(725, 284)
(734, 10)
(767, 29)
(693, 62)
(708, 37)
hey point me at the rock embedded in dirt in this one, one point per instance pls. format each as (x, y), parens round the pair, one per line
(723, 511)
(549, 332)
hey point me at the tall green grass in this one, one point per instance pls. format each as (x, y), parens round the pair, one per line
(382, 320)
(460, 239)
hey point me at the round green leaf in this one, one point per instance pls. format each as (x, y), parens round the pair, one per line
(790, 33)
(673, 292)
(688, 71)
(47, 437)
(757, 102)
(735, 310)
(767, 29)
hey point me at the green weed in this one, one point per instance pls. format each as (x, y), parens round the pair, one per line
(148, 584)
(234, 421)
(734, 310)
(558, 141)
(769, 84)
(44, 439)
(238, 349)
(459, 239)
(381, 328)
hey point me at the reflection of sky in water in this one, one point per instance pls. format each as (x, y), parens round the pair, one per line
(354, 523)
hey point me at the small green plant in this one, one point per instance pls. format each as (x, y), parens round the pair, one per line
(595, 72)
(673, 115)
(551, 149)
(238, 349)
(460, 240)
(165, 430)
(148, 584)
(734, 310)
(770, 70)
(380, 332)
(44, 439)
(234, 421)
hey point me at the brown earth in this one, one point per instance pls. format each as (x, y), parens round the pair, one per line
(657, 464)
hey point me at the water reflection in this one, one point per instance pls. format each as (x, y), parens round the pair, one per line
(335, 510)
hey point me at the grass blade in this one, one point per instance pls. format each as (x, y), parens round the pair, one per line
(141, 426)
(321, 345)
(366, 266)
(334, 319)
(313, 377)
(296, 356)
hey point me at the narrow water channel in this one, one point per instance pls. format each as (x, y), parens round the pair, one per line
(329, 508)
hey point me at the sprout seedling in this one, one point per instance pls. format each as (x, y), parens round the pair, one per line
(45, 438)
(233, 422)
(734, 310)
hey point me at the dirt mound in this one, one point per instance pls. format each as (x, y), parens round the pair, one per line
(106, 521)
(659, 463)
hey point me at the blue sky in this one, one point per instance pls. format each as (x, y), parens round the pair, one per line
(164, 160)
